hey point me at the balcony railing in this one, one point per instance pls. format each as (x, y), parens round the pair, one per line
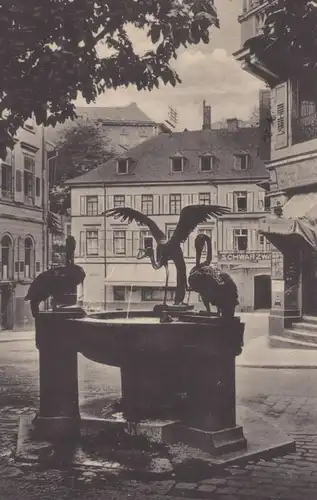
(304, 128)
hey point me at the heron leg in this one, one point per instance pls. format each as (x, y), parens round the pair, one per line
(166, 282)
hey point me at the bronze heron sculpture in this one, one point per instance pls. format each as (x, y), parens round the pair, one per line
(167, 250)
(214, 287)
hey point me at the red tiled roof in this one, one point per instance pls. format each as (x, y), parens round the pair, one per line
(150, 160)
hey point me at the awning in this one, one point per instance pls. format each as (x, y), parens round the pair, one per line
(298, 223)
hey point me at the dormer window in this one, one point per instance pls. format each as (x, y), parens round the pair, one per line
(177, 164)
(242, 162)
(206, 163)
(122, 166)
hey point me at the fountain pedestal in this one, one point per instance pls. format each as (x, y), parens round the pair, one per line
(181, 372)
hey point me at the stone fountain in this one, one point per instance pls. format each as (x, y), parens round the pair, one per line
(178, 387)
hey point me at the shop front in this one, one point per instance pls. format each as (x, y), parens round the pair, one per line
(294, 262)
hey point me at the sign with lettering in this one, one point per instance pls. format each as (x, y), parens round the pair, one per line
(240, 256)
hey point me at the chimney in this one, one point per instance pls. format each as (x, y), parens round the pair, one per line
(232, 124)
(206, 116)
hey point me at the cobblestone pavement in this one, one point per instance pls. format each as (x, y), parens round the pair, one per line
(292, 477)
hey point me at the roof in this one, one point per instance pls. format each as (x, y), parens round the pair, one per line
(150, 159)
(127, 114)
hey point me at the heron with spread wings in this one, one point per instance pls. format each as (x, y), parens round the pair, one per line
(167, 250)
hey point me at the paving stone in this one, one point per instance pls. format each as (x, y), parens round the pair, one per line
(215, 480)
(206, 488)
(185, 486)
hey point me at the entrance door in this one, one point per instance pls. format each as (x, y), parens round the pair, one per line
(262, 292)
(309, 282)
(6, 319)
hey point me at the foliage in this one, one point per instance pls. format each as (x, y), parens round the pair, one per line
(51, 50)
(290, 33)
(81, 147)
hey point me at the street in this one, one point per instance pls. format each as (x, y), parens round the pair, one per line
(19, 374)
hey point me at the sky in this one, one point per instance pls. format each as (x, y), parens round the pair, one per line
(208, 72)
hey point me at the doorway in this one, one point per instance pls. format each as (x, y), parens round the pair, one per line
(6, 317)
(262, 291)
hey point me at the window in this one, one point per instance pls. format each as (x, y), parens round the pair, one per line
(240, 201)
(240, 239)
(119, 293)
(92, 243)
(119, 242)
(177, 164)
(68, 228)
(147, 204)
(264, 244)
(204, 198)
(6, 258)
(143, 235)
(205, 163)
(124, 138)
(122, 166)
(175, 204)
(267, 203)
(242, 162)
(304, 111)
(92, 205)
(156, 294)
(118, 200)
(144, 133)
(280, 118)
(28, 258)
(6, 181)
(29, 172)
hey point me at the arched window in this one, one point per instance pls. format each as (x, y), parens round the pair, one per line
(6, 257)
(28, 257)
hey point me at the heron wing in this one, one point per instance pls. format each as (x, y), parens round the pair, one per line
(129, 214)
(191, 216)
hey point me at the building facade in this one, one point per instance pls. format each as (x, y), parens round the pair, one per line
(293, 184)
(159, 177)
(23, 227)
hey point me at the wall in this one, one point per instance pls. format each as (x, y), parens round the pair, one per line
(106, 270)
(127, 136)
(20, 218)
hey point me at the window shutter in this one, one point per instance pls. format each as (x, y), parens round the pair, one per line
(83, 205)
(250, 202)
(165, 203)
(156, 204)
(128, 201)
(129, 243)
(265, 124)
(229, 200)
(18, 181)
(194, 198)
(101, 244)
(82, 241)
(261, 198)
(281, 117)
(109, 202)
(109, 243)
(254, 239)
(137, 202)
(100, 205)
(135, 242)
(186, 200)
(229, 239)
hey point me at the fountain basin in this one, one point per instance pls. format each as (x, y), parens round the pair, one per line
(182, 371)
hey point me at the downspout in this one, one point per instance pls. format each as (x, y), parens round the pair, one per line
(44, 202)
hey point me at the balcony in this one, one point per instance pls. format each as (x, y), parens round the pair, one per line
(304, 128)
(260, 63)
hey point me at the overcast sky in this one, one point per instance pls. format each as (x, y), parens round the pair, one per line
(207, 71)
